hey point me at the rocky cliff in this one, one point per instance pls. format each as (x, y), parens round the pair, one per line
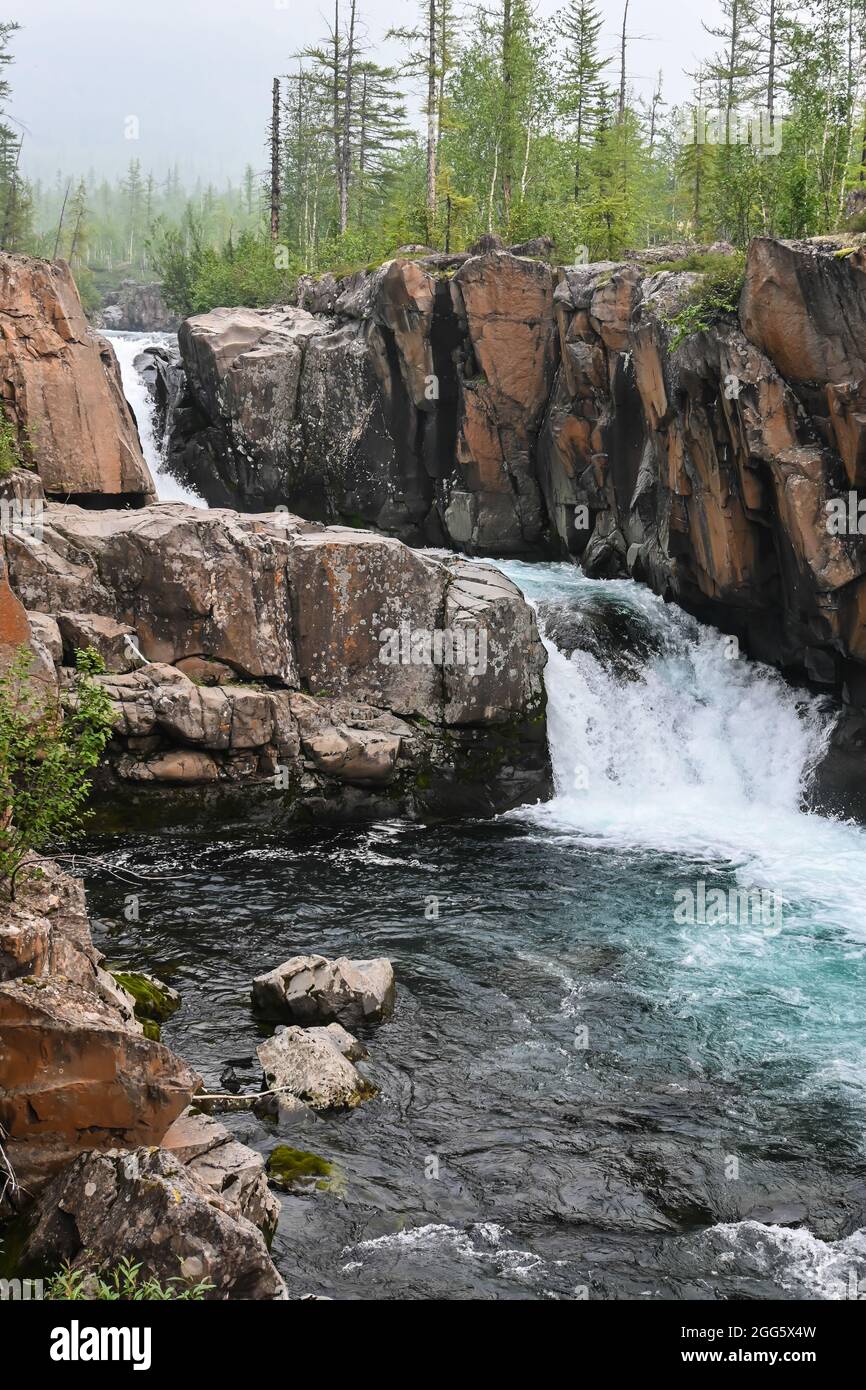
(267, 666)
(410, 399)
(60, 389)
(99, 1157)
(499, 405)
(137, 308)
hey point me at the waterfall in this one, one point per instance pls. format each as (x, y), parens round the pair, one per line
(676, 743)
(127, 347)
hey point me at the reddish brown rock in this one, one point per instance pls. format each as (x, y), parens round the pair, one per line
(806, 309)
(847, 404)
(505, 305)
(76, 1075)
(76, 1071)
(14, 627)
(61, 387)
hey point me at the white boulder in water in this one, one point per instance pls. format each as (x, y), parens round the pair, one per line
(312, 989)
(310, 1066)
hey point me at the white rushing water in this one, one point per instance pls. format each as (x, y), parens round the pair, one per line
(695, 754)
(127, 347)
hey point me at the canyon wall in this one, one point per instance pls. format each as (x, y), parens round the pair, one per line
(267, 666)
(498, 405)
(256, 664)
(60, 391)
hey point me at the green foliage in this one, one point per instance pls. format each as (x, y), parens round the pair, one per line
(717, 296)
(152, 1001)
(10, 457)
(16, 209)
(526, 134)
(295, 1168)
(49, 745)
(195, 277)
(123, 1284)
(177, 253)
(242, 272)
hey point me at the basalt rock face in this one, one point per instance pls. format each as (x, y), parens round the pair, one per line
(138, 308)
(708, 470)
(502, 406)
(61, 390)
(409, 399)
(275, 667)
(146, 1206)
(76, 1072)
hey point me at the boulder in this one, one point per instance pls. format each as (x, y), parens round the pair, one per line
(311, 1067)
(45, 633)
(76, 1071)
(336, 1034)
(312, 989)
(236, 1173)
(189, 582)
(106, 636)
(76, 1074)
(62, 388)
(149, 1207)
(45, 931)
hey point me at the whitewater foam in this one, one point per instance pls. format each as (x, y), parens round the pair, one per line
(799, 1262)
(481, 1241)
(695, 754)
(127, 347)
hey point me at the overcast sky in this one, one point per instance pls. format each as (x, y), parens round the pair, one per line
(197, 73)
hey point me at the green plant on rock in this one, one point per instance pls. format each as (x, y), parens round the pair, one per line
(295, 1168)
(50, 743)
(154, 1001)
(9, 455)
(123, 1284)
(716, 297)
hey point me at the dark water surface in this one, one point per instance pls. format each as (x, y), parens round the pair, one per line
(578, 1094)
(560, 1167)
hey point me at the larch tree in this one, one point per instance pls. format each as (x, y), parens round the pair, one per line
(579, 25)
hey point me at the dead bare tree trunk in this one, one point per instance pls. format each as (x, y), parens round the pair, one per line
(432, 125)
(346, 159)
(60, 223)
(622, 64)
(275, 162)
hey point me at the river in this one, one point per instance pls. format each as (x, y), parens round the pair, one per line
(585, 1091)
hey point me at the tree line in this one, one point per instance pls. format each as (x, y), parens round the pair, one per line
(530, 128)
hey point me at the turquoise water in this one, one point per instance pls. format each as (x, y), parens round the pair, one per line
(580, 1090)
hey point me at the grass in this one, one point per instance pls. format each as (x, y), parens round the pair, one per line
(715, 298)
(123, 1284)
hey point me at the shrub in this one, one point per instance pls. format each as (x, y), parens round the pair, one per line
(9, 457)
(717, 295)
(49, 745)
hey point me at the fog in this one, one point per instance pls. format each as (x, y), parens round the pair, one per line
(197, 73)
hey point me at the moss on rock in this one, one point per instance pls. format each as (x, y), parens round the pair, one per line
(288, 1168)
(154, 1001)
